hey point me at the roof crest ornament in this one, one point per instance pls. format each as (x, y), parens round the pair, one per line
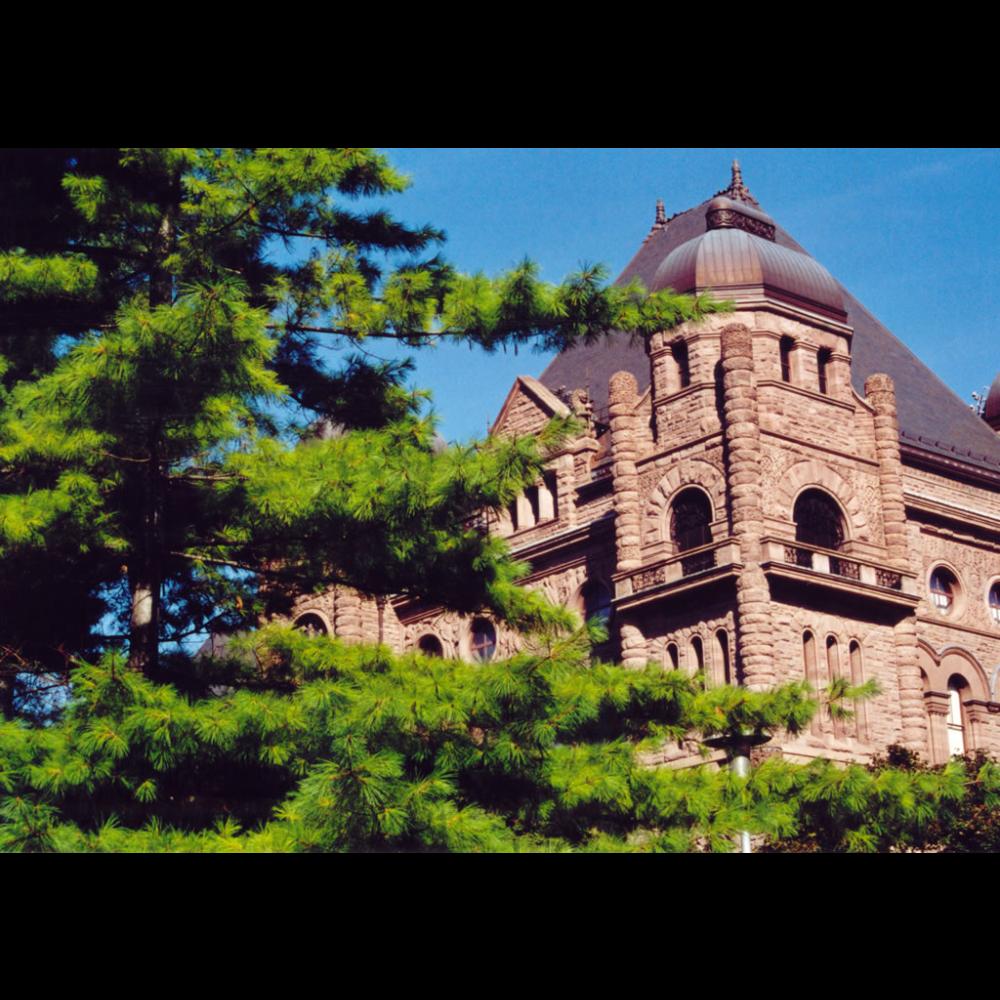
(737, 190)
(660, 222)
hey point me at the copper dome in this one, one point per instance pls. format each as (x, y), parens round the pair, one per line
(991, 412)
(737, 255)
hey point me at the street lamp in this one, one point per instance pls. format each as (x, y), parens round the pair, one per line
(738, 743)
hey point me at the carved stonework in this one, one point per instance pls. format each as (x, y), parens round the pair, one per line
(727, 218)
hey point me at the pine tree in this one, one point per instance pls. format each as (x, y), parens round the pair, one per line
(161, 445)
(174, 456)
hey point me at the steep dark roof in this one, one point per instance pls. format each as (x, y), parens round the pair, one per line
(931, 416)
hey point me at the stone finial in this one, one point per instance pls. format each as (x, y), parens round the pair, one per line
(880, 391)
(659, 223)
(737, 190)
(737, 341)
(622, 388)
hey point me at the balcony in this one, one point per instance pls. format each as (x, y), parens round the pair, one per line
(681, 572)
(810, 565)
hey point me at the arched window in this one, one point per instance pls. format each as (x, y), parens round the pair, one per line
(697, 655)
(690, 517)
(811, 671)
(822, 367)
(430, 645)
(673, 656)
(995, 603)
(311, 624)
(786, 347)
(833, 672)
(679, 350)
(857, 679)
(956, 722)
(944, 589)
(818, 520)
(725, 673)
(483, 642)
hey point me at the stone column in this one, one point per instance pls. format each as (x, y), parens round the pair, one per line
(633, 645)
(741, 422)
(622, 396)
(881, 396)
(937, 707)
(347, 622)
(566, 490)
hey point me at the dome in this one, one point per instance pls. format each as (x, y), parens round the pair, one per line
(991, 413)
(738, 254)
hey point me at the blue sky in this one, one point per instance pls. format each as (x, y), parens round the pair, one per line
(911, 232)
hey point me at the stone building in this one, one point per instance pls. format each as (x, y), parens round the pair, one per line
(780, 492)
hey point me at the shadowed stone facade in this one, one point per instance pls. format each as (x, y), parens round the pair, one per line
(752, 500)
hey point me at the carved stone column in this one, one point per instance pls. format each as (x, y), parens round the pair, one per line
(565, 490)
(633, 646)
(622, 396)
(347, 623)
(881, 395)
(741, 422)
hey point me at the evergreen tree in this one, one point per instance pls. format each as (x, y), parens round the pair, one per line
(161, 445)
(174, 455)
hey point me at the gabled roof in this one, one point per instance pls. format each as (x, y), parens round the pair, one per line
(931, 417)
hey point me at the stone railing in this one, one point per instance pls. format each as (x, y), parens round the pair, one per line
(681, 566)
(780, 550)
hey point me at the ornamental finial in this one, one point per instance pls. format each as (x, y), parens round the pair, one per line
(737, 190)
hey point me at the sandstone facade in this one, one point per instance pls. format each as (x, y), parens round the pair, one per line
(751, 501)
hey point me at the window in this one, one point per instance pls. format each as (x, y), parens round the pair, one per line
(822, 365)
(483, 644)
(833, 672)
(673, 656)
(857, 679)
(724, 674)
(817, 520)
(785, 348)
(956, 728)
(311, 624)
(811, 673)
(944, 589)
(597, 602)
(995, 603)
(430, 645)
(697, 655)
(679, 349)
(690, 517)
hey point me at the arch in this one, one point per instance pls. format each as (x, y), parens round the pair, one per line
(811, 474)
(953, 661)
(430, 645)
(673, 656)
(689, 472)
(312, 622)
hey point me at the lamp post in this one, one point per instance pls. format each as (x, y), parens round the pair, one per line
(738, 743)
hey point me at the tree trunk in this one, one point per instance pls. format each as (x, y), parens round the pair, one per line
(146, 575)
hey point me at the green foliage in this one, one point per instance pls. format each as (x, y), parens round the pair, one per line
(169, 432)
(545, 751)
